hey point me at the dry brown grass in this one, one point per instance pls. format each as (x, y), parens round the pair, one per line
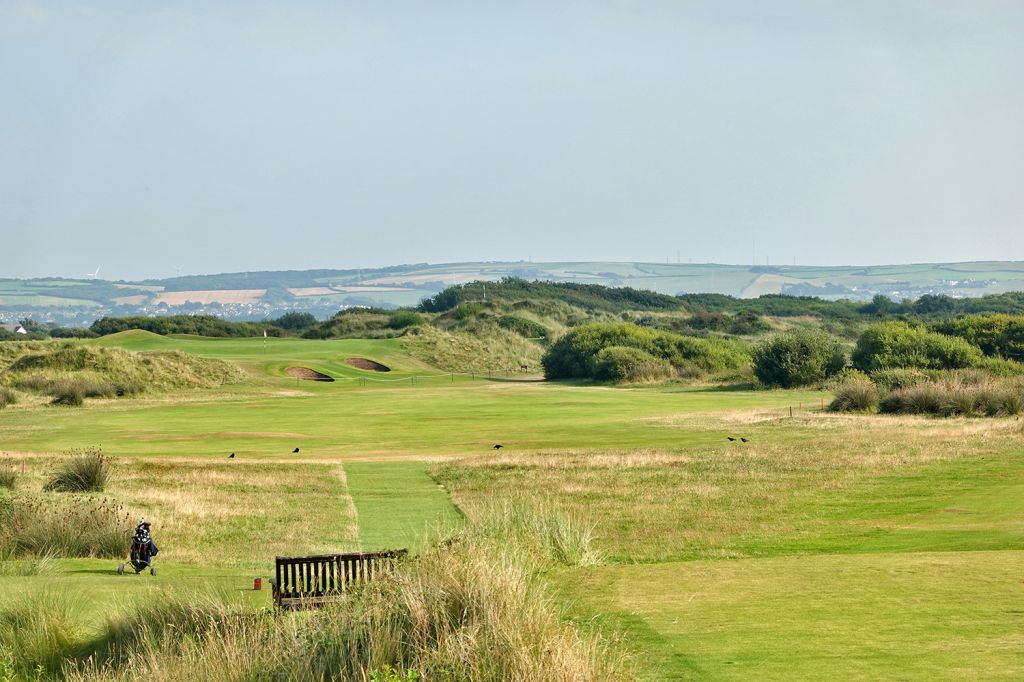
(230, 512)
(735, 498)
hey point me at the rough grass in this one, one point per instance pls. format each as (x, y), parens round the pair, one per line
(237, 513)
(8, 477)
(472, 607)
(855, 394)
(7, 397)
(80, 471)
(960, 395)
(737, 499)
(486, 348)
(96, 371)
(61, 526)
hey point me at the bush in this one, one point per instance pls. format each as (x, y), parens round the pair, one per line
(798, 358)
(7, 397)
(619, 363)
(575, 354)
(892, 345)
(526, 328)
(82, 471)
(997, 335)
(855, 395)
(401, 319)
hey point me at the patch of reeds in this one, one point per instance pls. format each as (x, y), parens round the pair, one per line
(81, 471)
(855, 394)
(52, 526)
(959, 396)
(7, 397)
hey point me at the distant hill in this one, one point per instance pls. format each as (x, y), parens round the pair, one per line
(257, 295)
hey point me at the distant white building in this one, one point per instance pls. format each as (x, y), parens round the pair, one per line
(14, 328)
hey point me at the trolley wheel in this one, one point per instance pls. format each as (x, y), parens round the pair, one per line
(120, 569)
(152, 571)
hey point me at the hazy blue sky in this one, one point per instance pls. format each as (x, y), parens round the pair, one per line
(147, 137)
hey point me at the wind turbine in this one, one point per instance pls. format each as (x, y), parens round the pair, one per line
(93, 275)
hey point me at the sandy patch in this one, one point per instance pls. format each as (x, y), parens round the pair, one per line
(307, 374)
(367, 364)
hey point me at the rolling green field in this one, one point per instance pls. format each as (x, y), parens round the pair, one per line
(826, 546)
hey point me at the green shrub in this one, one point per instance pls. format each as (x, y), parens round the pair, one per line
(798, 358)
(855, 394)
(83, 471)
(891, 345)
(574, 355)
(1001, 367)
(400, 319)
(997, 335)
(620, 363)
(526, 328)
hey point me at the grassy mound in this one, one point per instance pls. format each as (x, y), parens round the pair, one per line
(74, 368)
(486, 348)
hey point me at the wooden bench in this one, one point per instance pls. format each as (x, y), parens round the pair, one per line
(311, 581)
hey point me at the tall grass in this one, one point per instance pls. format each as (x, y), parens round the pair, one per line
(39, 633)
(471, 607)
(7, 397)
(855, 394)
(551, 534)
(959, 396)
(82, 471)
(8, 477)
(63, 527)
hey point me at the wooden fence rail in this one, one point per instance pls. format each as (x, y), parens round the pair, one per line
(310, 581)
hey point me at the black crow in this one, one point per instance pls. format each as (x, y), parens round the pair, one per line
(231, 456)
(730, 438)
(295, 450)
(499, 446)
(745, 440)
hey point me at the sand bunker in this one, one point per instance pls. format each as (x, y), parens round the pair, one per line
(307, 374)
(363, 363)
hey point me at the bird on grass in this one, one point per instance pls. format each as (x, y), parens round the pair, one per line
(730, 438)
(745, 440)
(231, 456)
(498, 446)
(295, 451)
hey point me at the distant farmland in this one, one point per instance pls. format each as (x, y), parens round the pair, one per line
(262, 294)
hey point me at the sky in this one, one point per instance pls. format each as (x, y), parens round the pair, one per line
(154, 138)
